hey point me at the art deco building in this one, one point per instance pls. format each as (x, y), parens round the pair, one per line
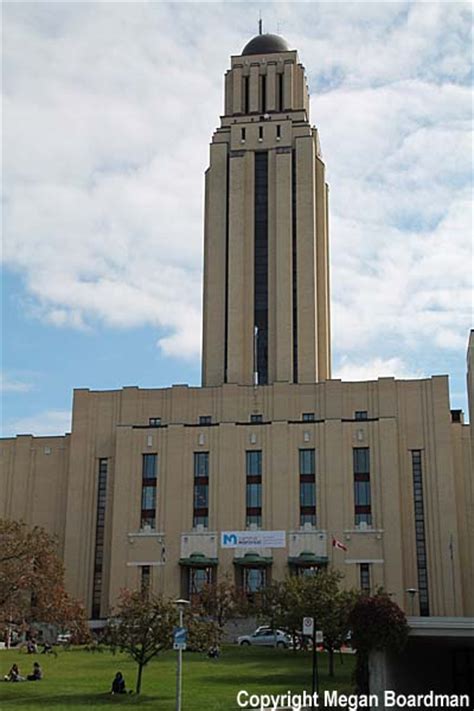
(141, 489)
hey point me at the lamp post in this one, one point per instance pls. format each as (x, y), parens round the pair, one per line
(412, 592)
(180, 604)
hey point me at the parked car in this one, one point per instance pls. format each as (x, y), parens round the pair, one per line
(265, 637)
(64, 638)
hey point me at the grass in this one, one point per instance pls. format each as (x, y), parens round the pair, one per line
(77, 679)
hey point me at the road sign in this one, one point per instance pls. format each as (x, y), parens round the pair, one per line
(308, 626)
(180, 636)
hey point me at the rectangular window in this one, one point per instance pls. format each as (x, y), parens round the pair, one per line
(149, 466)
(198, 579)
(261, 264)
(201, 489)
(365, 577)
(307, 472)
(99, 537)
(242, 134)
(362, 496)
(263, 93)
(280, 92)
(420, 538)
(148, 498)
(308, 417)
(260, 133)
(255, 579)
(205, 419)
(154, 421)
(145, 579)
(360, 415)
(278, 131)
(253, 488)
(246, 94)
(256, 418)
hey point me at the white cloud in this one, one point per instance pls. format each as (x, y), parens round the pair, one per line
(374, 368)
(42, 424)
(109, 109)
(9, 384)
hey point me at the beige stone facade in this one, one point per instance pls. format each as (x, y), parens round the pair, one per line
(141, 490)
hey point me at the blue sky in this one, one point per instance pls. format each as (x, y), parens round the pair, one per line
(108, 113)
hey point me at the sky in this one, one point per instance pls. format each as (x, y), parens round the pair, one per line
(109, 109)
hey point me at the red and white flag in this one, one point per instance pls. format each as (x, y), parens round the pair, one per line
(338, 544)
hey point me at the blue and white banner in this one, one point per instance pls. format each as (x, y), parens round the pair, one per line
(253, 539)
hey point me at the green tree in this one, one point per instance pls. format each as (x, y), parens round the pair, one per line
(377, 623)
(220, 602)
(142, 627)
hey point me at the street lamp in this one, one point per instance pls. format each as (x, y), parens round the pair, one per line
(412, 592)
(181, 605)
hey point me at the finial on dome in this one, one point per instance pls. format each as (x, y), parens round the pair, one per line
(260, 24)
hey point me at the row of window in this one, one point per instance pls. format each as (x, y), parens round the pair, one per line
(253, 494)
(262, 94)
(306, 417)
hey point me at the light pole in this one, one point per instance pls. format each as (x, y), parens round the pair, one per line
(412, 592)
(181, 604)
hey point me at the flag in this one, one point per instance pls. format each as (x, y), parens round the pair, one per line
(337, 544)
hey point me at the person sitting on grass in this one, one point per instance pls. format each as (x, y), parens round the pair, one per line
(118, 684)
(37, 674)
(13, 674)
(214, 652)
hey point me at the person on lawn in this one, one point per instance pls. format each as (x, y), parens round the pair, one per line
(37, 674)
(13, 674)
(118, 684)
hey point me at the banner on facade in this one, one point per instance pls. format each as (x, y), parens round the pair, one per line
(253, 539)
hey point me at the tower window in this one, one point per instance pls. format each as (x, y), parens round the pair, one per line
(253, 494)
(99, 538)
(145, 579)
(280, 92)
(201, 489)
(261, 266)
(256, 418)
(263, 93)
(148, 499)
(365, 577)
(362, 497)
(278, 131)
(308, 417)
(246, 95)
(260, 133)
(307, 472)
(361, 415)
(242, 134)
(154, 421)
(420, 538)
(205, 419)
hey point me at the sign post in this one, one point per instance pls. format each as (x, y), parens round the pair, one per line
(179, 643)
(309, 630)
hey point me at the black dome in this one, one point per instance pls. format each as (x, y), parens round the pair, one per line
(265, 44)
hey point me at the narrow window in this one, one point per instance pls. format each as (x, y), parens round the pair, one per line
(253, 488)
(255, 579)
(246, 94)
(360, 415)
(201, 489)
(261, 265)
(308, 417)
(365, 577)
(278, 131)
(154, 421)
(362, 498)
(198, 579)
(260, 133)
(280, 92)
(263, 93)
(307, 467)
(145, 577)
(205, 419)
(256, 418)
(420, 538)
(148, 502)
(242, 134)
(99, 538)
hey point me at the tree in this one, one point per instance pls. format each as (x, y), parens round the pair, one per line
(142, 627)
(32, 581)
(377, 623)
(221, 602)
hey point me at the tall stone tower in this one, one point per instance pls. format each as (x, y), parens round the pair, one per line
(266, 260)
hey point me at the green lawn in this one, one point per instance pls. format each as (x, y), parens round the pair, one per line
(77, 679)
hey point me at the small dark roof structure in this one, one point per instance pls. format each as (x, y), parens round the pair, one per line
(265, 44)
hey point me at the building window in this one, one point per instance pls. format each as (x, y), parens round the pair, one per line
(198, 579)
(261, 265)
(256, 418)
(148, 501)
(201, 489)
(99, 538)
(307, 471)
(254, 580)
(362, 500)
(361, 415)
(242, 134)
(253, 488)
(280, 92)
(278, 131)
(246, 94)
(263, 93)
(205, 419)
(420, 538)
(364, 570)
(308, 417)
(260, 133)
(154, 421)
(145, 579)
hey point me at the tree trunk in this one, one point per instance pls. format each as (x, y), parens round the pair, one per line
(139, 678)
(331, 661)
